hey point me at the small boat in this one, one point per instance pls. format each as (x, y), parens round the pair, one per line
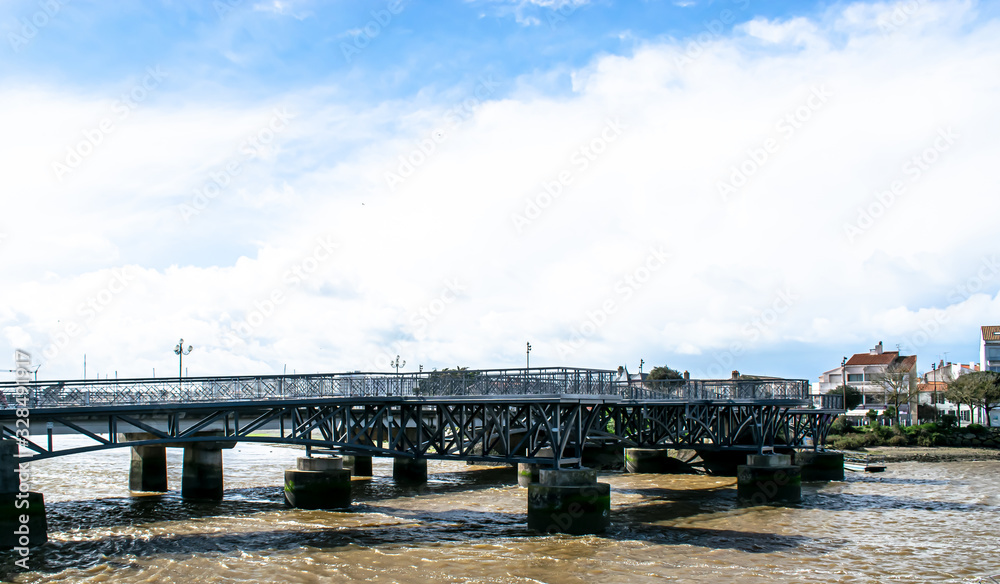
(864, 462)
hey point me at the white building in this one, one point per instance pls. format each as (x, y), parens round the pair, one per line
(934, 384)
(989, 348)
(863, 368)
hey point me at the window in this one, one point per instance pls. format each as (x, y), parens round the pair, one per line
(993, 353)
(966, 416)
(855, 377)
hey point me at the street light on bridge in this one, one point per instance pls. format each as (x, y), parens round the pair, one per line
(180, 351)
(397, 364)
(527, 357)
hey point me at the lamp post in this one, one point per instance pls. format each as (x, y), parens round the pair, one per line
(180, 351)
(397, 364)
(843, 372)
(527, 357)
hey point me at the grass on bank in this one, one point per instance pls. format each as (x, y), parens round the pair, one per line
(846, 437)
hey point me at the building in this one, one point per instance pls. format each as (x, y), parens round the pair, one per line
(934, 384)
(989, 348)
(862, 371)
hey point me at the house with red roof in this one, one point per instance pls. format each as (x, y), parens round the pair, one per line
(862, 370)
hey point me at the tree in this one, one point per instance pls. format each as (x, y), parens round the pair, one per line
(963, 391)
(991, 395)
(664, 372)
(854, 396)
(899, 385)
(980, 389)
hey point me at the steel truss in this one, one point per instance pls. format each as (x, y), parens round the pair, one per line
(505, 429)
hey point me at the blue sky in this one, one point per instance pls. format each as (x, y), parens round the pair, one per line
(762, 186)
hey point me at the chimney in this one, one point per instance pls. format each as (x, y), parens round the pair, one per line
(687, 376)
(877, 350)
(736, 374)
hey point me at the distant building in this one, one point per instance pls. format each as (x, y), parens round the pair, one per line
(862, 370)
(989, 348)
(934, 384)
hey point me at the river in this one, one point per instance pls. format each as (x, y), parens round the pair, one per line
(917, 522)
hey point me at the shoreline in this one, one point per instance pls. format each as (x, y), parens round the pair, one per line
(934, 453)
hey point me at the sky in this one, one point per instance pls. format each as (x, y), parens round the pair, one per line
(324, 186)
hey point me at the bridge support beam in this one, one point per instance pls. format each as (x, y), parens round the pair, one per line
(569, 501)
(22, 512)
(318, 483)
(768, 479)
(202, 477)
(820, 466)
(411, 471)
(148, 470)
(361, 466)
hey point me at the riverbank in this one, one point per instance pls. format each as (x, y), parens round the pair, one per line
(934, 454)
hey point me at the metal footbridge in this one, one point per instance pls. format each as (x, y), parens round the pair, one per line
(502, 415)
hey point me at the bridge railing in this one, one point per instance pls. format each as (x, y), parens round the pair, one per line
(488, 382)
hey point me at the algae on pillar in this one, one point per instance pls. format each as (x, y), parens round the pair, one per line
(569, 501)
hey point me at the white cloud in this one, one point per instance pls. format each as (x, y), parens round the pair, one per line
(687, 121)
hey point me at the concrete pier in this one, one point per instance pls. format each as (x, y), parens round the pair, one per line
(148, 470)
(361, 466)
(569, 501)
(768, 479)
(412, 471)
(202, 478)
(723, 463)
(22, 513)
(655, 461)
(527, 473)
(318, 483)
(820, 466)
(600, 456)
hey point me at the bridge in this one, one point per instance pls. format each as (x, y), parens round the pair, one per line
(552, 422)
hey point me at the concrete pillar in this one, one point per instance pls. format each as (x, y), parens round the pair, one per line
(409, 470)
(22, 513)
(768, 479)
(722, 463)
(569, 501)
(318, 483)
(148, 470)
(820, 466)
(654, 460)
(527, 473)
(361, 466)
(202, 477)
(598, 456)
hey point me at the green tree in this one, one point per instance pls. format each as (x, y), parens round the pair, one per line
(664, 372)
(963, 391)
(899, 385)
(979, 390)
(854, 397)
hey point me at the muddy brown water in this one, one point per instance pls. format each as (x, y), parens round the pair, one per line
(917, 522)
